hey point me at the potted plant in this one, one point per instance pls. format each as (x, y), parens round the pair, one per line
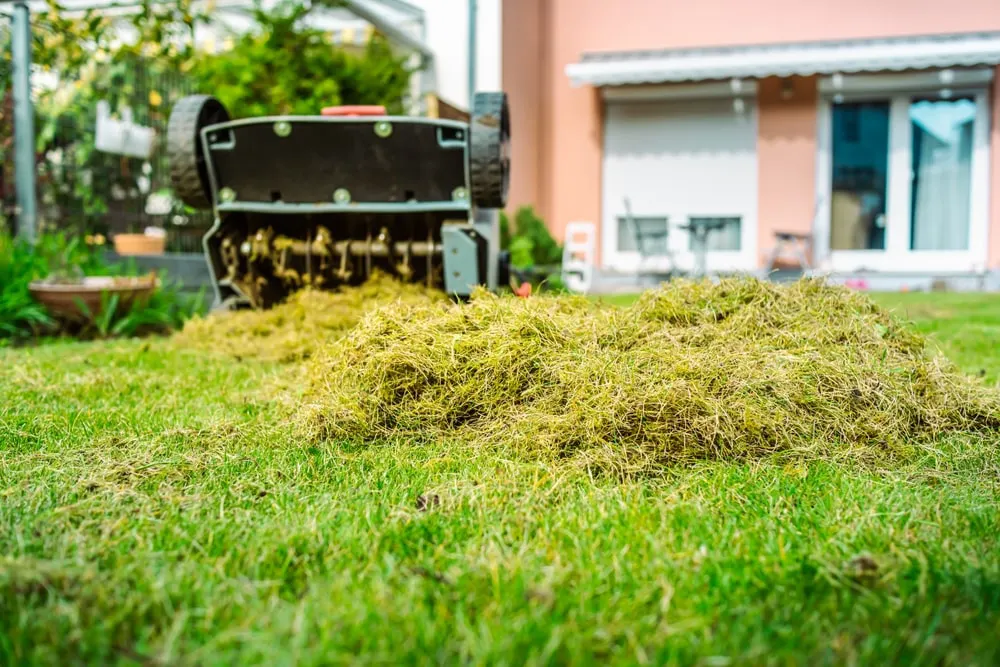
(84, 298)
(153, 240)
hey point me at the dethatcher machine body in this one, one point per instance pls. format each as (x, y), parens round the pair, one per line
(325, 200)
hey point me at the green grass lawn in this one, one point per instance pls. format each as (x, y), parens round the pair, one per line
(156, 509)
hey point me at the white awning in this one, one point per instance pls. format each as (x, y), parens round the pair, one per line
(705, 64)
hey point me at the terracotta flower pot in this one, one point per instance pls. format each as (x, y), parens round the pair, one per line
(61, 298)
(139, 244)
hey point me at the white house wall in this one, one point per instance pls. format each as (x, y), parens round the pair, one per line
(448, 37)
(680, 159)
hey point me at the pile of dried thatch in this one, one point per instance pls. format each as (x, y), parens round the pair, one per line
(307, 321)
(741, 369)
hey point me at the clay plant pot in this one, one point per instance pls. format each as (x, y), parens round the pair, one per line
(139, 244)
(60, 298)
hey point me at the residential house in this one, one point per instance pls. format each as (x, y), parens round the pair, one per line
(872, 126)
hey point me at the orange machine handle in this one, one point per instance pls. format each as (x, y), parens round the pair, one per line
(355, 110)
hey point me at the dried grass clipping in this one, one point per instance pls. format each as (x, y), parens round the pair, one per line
(693, 370)
(307, 320)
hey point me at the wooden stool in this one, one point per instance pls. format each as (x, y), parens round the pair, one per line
(800, 245)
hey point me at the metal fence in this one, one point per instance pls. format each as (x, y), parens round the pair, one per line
(79, 188)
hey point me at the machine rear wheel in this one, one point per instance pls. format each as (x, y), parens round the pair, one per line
(489, 150)
(188, 168)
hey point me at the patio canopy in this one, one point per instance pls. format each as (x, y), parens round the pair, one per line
(788, 59)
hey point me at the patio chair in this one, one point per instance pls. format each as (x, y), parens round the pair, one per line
(652, 244)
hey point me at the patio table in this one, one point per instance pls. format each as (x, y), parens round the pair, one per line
(700, 229)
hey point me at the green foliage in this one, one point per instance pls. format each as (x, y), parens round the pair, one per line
(522, 252)
(76, 181)
(20, 314)
(553, 284)
(20, 264)
(286, 67)
(165, 310)
(534, 253)
(61, 257)
(530, 242)
(69, 256)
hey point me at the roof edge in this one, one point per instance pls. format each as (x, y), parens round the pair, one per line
(786, 59)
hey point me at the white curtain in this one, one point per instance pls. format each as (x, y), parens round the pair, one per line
(942, 180)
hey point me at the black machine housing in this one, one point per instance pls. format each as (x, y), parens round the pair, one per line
(326, 200)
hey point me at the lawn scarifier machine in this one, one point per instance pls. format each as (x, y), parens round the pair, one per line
(325, 200)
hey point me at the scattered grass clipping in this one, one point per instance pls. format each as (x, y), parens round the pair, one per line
(743, 369)
(309, 319)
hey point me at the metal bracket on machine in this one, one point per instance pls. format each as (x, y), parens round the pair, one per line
(465, 258)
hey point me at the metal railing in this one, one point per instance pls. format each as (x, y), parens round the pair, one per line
(80, 189)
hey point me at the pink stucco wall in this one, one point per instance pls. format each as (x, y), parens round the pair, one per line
(786, 159)
(528, 83)
(562, 143)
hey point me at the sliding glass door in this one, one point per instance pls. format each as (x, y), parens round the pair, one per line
(903, 182)
(860, 176)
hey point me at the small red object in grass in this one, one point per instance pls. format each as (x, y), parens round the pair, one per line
(354, 110)
(524, 291)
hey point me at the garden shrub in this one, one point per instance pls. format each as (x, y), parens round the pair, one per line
(534, 253)
(529, 240)
(282, 66)
(20, 315)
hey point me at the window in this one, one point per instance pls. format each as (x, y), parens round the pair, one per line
(724, 233)
(648, 235)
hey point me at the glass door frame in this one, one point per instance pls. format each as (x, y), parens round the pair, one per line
(897, 255)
